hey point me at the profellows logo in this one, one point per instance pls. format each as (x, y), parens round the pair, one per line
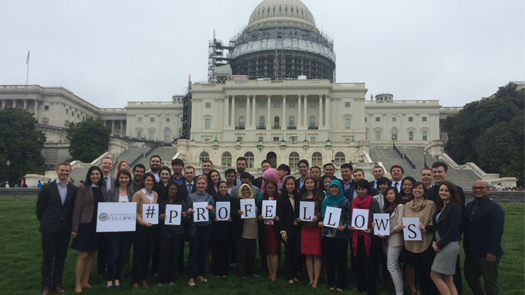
(103, 217)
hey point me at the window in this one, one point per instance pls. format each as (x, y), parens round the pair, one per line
(394, 119)
(151, 135)
(347, 104)
(204, 156)
(262, 105)
(241, 121)
(152, 119)
(167, 120)
(378, 119)
(340, 158)
(291, 121)
(293, 138)
(239, 138)
(394, 133)
(410, 135)
(425, 135)
(46, 108)
(78, 116)
(208, 105)
(312, 138)
(72, 114)
(167, 133)
(276, 105)
(317, 159)
(366, 119)
(276, 121)
(139, 134)
(207, 123)
(410, 119)
(276, 138)
(424, 119)
(378, 135)
(312, 104)
(67, 111)
(261, 138)
(249, 159)
(139, 119)
(293, 160)
(261, 122)
(226, 159)
(312, 121)
(347, 123)
(241, 105)
(292, 104)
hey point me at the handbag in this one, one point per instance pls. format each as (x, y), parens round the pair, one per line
(190, 233)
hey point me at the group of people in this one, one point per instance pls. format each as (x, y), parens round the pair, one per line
(313, 247)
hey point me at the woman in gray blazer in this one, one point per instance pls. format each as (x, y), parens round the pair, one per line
(84, 225)
(121, 192)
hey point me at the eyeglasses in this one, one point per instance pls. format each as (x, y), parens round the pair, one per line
(478, 188)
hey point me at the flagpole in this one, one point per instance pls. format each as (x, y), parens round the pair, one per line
(27, 62)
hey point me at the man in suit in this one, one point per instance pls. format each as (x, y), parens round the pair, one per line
(189, 183)
(155, 162)
(346, 175)
(397, 172)
(106, 165)
(245, 179)
(315, 174)
(138, 175)
(378, 172)
(206, 167)
(265, 165)
(484, 221)
(329, 169)
(54, 210)
(302, 166)
(240, 164)
(103, 242)
(177, 165)
(426, 177)
(351, 193)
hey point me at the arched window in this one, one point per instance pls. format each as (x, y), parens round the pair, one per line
(261, 122)
(204, 156)
(291, 121)
(312, 121)
(241, 121)
(317, 159)
(167, 133)
(249, 159)
(394, 133)
(276, 122)
(293, 160)
(340, 158)
(226, 159)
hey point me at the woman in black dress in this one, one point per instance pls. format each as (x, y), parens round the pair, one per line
(84, 225)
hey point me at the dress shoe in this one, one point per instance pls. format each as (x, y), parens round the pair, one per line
(144, 284)
(58, 289)
(135, 286)
(47, 291)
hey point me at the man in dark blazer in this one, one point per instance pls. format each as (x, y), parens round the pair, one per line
(265, 165)
(351, 193)
(378, 172)
(54, 210)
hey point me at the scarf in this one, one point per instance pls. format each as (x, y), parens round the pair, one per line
(272, 174)
(219, 198)
(240, 191)
(331, 200)
(390, 209)
(359, 203)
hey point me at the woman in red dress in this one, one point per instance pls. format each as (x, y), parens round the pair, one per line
(272, 237)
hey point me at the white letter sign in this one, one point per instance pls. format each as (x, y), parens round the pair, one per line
(382, 226)
(248, 207)
(173, 215)
(268, 209)
(411, 232)
(223, 211)
(360, 219)
(150, 213)
(306, 210)
(332, 216)
(201, 213)
(116, 217)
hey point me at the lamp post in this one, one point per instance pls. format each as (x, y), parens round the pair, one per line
(7, 171)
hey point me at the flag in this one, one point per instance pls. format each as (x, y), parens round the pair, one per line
(27, 61)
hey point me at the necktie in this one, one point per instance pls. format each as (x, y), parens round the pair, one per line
(106, 182)
(189, 187)
(397, 188)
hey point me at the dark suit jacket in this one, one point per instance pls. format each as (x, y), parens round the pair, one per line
(112, 180)
(483, 229)
(183, 190)
(257, 182)
(113, 194)
(84, 206)
(49, 208)
(349, 193)
(372, 183)
(448, 226)
(286, 214)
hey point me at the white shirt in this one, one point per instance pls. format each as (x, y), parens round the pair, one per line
(123, 199)
(397, 185)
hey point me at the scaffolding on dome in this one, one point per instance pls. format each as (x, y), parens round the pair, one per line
(217, 56)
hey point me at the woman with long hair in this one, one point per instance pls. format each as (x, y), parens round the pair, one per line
(145, 232)
(406, 189)
(270, 230)
(165, 177)
(335, 240)
(201, 242)
(84, 225)
(447, 234)
(221, 236)
(121, 165)
(170, 236)
(325, 184)
(245, 234)
(119, 242)
(213, 179)
(311, 236)
(420, 254)
(288, 211)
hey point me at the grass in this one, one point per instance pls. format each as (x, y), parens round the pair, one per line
(21, 258)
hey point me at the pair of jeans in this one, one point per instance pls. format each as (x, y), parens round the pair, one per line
(394, 269)
(198, 251)
(118, 246)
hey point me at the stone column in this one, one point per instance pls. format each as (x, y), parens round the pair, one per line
(284, 113)
(25, 104)
(299, 109)
(3, 103)
(248, 121)
(233, 112)
(255, 120)
(119, 127)
(113, 126)
(269, 121)
(327, 111)
(320, 111)
(305, 114)
(35, 108)
(226, 110)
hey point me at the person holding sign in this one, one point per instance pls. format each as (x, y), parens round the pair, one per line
(221, 236)
(446, 221)
(270, 230)
(288, 210)
(394, 241)
(335, 240)
(311, 238)
(145, 233)
(200, 243)
(420, 254)
(362, 242)
(84, 225)
(119, 242)
(245, 233)
(170, 235)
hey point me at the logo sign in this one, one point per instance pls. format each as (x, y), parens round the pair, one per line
(114, 217)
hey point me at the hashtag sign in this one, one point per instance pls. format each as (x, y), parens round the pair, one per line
(150, 213)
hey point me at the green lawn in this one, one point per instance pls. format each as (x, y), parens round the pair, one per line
(20, 260)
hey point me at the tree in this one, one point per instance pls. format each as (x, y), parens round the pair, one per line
(20, 144)
(88, 139)
(490, 133)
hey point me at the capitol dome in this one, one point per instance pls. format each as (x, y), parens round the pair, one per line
(281, 41)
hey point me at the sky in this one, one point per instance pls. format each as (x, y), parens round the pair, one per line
(109, 52)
